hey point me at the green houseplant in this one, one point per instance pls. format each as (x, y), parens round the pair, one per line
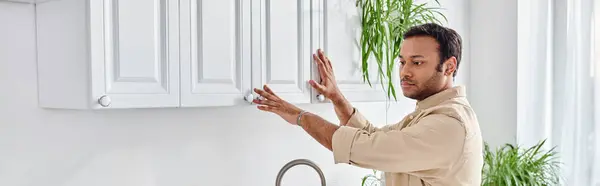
(383, 24)
(512, 165)
(374, 179)
(509, 165)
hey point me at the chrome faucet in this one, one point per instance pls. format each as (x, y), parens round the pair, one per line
(295, 162)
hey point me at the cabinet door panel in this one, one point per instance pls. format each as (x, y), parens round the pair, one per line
(340, 39)
(215, 44)
(134, 49)
(285, 51)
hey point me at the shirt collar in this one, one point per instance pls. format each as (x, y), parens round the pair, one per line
(436, 99)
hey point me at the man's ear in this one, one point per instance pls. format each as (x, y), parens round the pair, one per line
(450, 66)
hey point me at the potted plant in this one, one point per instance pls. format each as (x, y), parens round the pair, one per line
(383, 25)
(514, 165)
(508, 165)
(374, 179)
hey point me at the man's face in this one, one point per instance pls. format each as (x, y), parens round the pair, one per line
(419, 60)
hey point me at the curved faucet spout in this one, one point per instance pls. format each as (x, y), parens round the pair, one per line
(293, 163)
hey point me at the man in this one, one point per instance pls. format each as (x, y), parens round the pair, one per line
(438, 144)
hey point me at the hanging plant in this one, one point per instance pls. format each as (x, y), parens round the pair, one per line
(383, 24)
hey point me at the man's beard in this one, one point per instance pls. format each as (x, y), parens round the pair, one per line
(432, 86)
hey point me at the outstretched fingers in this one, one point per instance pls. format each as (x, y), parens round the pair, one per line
(268, 90)
(266, 94)
(320, 88)
(325, 61)
(272, 102)
(267, 102)
(320, 65)
(266, 108)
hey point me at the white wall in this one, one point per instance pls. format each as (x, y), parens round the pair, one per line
(493, 77)
(157, 147)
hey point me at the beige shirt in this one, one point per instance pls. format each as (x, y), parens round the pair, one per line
(439, 143)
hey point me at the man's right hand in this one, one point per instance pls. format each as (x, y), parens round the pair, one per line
(328, 87)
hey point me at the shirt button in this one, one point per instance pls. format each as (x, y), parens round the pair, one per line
(410, 117)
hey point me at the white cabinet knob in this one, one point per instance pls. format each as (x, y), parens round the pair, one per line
(104, 101)
(321, 97)
(249, 98)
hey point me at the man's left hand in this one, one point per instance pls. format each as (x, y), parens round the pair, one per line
(273, 103)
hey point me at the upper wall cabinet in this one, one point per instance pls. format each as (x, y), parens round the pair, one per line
(192, 53)
(230, 47)
(114, 54)
(282, 48)
(215, 52)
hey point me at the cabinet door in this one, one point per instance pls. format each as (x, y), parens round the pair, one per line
(340, 29)
(282, 48)
(134, 53)
(215, 52)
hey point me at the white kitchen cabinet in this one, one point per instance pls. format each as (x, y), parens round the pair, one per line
(108, 54)
(192, 53)
(252, 43)
(260, 42)
(340, 29)
(283, 48)
(215, 52)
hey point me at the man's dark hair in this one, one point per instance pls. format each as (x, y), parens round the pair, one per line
(448, 39)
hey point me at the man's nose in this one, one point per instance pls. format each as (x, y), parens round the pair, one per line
(405, 72)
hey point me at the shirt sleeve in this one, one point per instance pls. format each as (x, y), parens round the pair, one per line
(434, 142)
(357, 120)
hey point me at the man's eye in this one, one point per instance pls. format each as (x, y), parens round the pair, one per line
(417, 62)
(402, 62)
